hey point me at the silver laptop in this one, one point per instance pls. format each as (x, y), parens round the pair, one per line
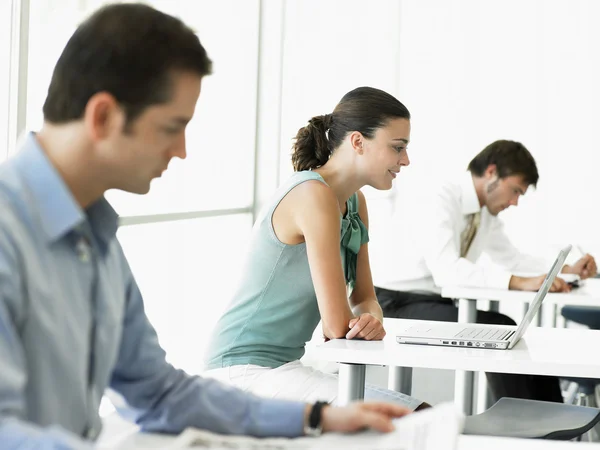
(501, 337)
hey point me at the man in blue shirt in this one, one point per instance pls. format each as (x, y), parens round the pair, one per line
(72, 319)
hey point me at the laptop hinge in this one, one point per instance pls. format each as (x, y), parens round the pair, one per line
(509, 335)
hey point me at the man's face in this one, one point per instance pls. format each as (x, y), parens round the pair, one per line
(143, 150)
(503, 192)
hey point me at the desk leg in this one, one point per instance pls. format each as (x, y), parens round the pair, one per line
(553, 321)
(494, 306)
(400, 379)
(538, 316)
(463, 391)
(525, 309)
(561, 322)
(464, 380)
(351, 385)
(484, 395)
(467, 310)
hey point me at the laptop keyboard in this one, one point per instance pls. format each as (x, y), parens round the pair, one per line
(490, 334)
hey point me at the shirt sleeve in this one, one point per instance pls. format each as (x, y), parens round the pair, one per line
(502, 251)
(442, 253)
(168, 400)
(15, 431)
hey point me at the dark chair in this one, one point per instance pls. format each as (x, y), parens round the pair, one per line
(584, 391)
(585, 315)
(513, 417)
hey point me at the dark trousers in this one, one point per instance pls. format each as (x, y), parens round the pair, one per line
(430, 306)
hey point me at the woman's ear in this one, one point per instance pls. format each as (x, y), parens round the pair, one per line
(357, 141)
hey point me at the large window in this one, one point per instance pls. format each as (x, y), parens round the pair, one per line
(187, 271)
(51, 23)
(218, 172)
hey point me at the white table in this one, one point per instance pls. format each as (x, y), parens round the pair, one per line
(137, 441)
(587, 295)
(498, 443)
(542, 351)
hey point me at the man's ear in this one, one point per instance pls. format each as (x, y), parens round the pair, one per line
(102, 115)
(491, 171)
(357, 141)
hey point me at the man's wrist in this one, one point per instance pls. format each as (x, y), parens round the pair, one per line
(307, 410)
(314, 418)
(514, 283)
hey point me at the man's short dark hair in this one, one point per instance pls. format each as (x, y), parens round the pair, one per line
(128, 50)
(510, 158)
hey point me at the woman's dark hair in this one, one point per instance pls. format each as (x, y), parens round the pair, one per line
(128, 50)
(509, 157)
(364, 109)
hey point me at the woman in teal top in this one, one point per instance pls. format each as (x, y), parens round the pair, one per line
(308, 259)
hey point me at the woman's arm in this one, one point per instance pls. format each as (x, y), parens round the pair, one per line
(368, 323)
(311, 212)
(363, 299)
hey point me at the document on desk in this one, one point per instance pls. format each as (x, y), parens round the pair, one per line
(432, 429)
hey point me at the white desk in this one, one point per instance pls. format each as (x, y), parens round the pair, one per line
(542, 351)
(587, 295)
(138, 441)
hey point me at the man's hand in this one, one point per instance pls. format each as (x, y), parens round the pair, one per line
(585, 267)
(367, 327)
(535, 283)
(358, 416)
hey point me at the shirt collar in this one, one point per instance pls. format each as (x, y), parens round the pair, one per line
(58, 210)
(469, 200)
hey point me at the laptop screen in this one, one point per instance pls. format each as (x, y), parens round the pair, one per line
(537, 301)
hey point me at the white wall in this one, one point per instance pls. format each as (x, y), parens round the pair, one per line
(330, 48)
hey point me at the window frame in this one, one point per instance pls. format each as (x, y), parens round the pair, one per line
(267, 108)
(18, 73)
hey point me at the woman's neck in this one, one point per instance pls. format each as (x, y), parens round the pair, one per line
(342, 180)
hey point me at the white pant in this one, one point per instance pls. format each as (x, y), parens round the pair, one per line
(295, 381)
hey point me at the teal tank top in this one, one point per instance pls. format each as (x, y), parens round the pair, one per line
(274, 311)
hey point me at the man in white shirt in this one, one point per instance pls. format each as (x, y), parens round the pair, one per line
(460, 224)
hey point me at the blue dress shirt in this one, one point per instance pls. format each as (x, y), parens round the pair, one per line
(72, 323)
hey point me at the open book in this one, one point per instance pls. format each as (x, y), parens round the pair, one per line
(432, 429)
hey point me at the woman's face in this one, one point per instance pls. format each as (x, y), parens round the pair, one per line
(385, 154)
